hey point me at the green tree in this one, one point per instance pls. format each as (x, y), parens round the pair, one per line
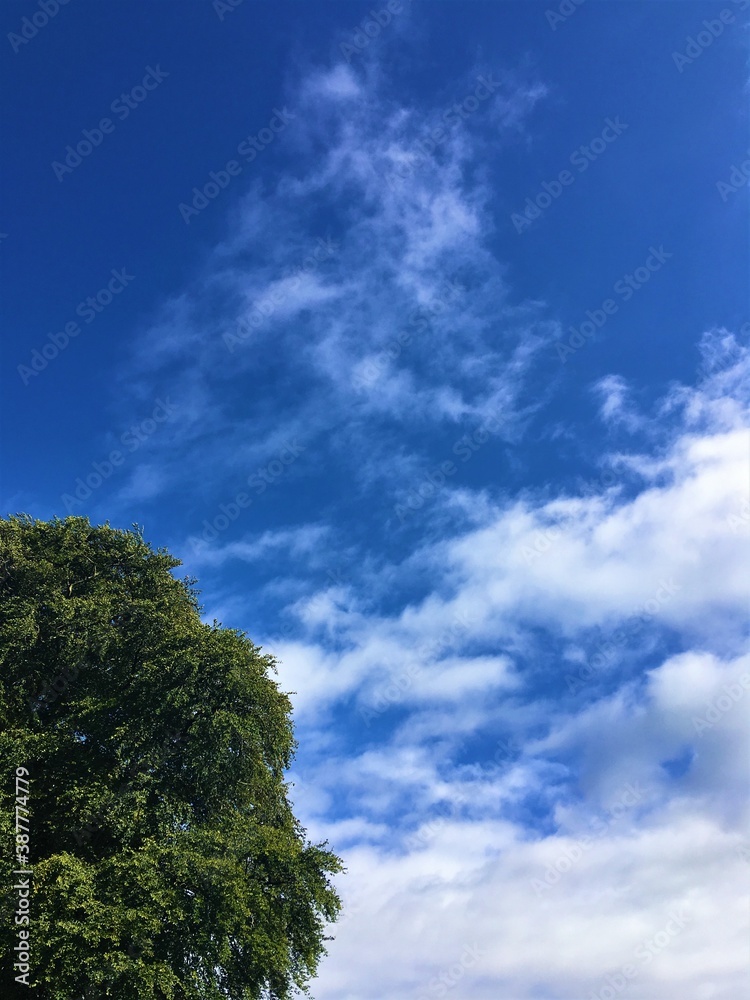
(166, 859)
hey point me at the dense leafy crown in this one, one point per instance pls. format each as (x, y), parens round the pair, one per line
(167, 862)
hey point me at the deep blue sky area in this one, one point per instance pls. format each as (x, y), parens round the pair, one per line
(446, 408)
(655, 186)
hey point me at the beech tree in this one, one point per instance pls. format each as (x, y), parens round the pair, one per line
(166, 859)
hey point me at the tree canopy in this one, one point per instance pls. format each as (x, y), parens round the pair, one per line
(167, 861)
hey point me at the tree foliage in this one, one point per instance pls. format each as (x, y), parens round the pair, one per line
(167, 862)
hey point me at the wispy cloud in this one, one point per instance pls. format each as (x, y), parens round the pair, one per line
(391, 262)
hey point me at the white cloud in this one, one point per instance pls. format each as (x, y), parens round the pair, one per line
(630, 877)
(603, 843)
(670, 555)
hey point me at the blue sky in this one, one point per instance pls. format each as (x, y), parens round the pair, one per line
(424, 345)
